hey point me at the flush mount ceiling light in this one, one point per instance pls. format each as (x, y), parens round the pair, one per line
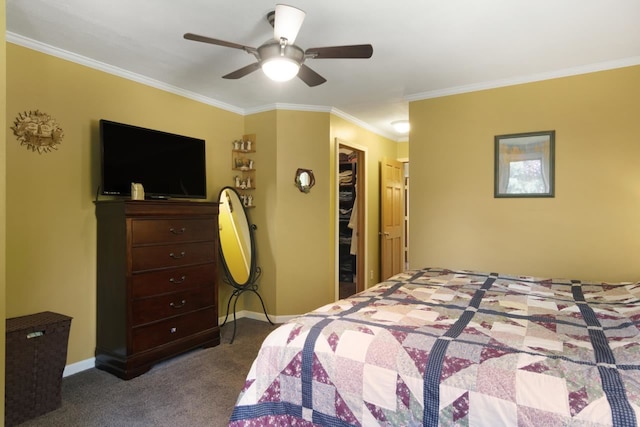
(401, 126)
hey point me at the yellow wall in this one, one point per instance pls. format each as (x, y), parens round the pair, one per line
(51, 226)
(50, 218)
(3, 206)
(303, 240)
(263, 125)
(296, 235)
(294, 245)
(589, 230)
(403, 151)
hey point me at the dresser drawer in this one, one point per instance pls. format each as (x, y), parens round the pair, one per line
(150, 336)
(174, 255)
(149, 231)
(172, 280)
(150, 309)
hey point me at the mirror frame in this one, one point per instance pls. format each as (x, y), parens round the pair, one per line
(254, 271)
(507, 145)
(298, 180)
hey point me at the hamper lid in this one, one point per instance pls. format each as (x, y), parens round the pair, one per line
(35, 320)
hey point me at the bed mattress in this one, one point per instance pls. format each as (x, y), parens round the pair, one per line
(454, 347)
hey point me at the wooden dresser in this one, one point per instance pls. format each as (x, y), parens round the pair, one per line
(157, 290)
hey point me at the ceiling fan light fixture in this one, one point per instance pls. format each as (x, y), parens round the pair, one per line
(279, 58)
(280, 68)
(401, 126)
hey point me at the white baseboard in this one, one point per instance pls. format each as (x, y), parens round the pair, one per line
(83, 365)
(258, 316)
(80, 366)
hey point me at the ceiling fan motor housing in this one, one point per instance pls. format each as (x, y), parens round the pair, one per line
(273, 49)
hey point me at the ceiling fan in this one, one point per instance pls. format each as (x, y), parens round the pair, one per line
(280, 58)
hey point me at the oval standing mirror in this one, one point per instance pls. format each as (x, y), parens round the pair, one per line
(236, 237)
(237, 250)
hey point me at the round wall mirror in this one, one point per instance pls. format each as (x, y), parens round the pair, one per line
(304, 180)
(236, 238)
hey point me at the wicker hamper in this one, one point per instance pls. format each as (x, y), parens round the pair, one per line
(36, 354)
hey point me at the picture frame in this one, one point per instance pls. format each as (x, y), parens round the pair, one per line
(524, 164)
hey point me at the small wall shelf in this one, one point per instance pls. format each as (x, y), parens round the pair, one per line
(243, 162)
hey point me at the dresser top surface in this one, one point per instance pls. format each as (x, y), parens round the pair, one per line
(157, 207)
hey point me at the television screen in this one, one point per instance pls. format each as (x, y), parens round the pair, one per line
(167, 165)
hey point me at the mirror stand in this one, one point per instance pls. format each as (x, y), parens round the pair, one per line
(237, 251)
(239, 290)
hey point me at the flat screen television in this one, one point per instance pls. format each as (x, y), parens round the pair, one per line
(167, 165)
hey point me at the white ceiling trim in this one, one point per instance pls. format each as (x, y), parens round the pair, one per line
(91, 63)
(362, 124)
(284, 106)
(101, 66)
(323, 109)
(591, 68)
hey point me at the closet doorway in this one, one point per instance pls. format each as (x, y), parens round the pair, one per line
(351, 203)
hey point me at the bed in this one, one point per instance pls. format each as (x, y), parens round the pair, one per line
(454, 347)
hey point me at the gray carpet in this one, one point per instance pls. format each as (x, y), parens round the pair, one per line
(198, 388)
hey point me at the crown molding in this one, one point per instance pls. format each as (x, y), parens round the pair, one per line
(109, 69)
(324, 109)
(293, 107)
(566, 72)
(363, 125)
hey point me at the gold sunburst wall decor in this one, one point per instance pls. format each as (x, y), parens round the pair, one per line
(38, 131)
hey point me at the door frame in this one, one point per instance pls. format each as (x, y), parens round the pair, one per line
(362, 198)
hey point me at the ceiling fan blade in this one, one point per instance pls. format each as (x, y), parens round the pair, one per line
(288, 22)
(242, 71)
(198, 38)
(310, 77)
(352, 51)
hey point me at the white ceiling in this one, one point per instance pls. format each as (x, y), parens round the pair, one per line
(421, 48)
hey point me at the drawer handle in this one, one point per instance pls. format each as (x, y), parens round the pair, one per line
(180, 255)
(182, 303)
(180, 231)
(178, 281)
(173, 330)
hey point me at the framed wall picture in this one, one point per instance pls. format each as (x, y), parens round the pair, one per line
(524, 164)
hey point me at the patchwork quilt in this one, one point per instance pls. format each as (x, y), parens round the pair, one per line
(441, 347)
